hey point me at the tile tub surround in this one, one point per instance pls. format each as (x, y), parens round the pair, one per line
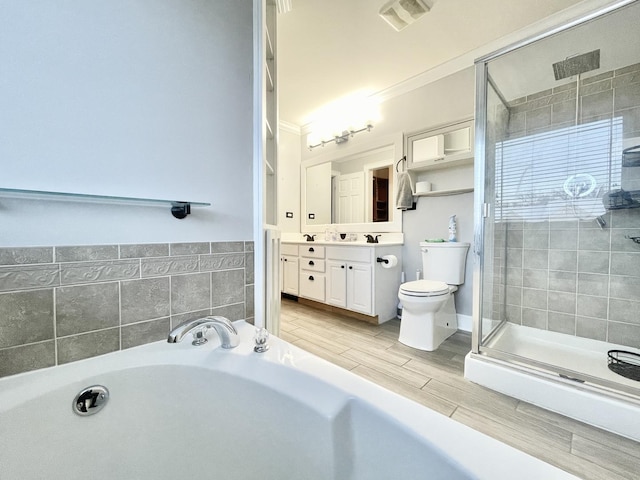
(65, 303)
(571, 276)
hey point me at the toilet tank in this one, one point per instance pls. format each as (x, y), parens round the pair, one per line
(444, 261)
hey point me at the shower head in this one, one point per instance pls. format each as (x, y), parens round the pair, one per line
(577, 64)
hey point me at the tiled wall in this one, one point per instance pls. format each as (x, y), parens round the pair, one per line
(60, 304)
(572, 276)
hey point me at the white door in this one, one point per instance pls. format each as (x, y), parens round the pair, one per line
(351, 198)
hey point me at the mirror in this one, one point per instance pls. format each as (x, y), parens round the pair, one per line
(355, 190)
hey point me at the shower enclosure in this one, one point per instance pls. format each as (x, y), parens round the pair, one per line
(557, 281)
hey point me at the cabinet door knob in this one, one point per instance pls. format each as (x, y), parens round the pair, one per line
(311, 249)
(341, 266)
(350, 267)
(311, 262)
(285, 259)
(311, 277)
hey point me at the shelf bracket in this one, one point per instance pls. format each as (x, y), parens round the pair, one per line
(180, 209)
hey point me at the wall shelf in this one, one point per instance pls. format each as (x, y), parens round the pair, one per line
(179, 209)
(442, 193)
(442, 147)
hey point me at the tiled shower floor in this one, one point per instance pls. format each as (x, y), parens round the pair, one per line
(579, 355)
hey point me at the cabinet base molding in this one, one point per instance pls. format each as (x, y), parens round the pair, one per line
(347, 313)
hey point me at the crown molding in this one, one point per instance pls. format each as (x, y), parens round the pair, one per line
(289, 127)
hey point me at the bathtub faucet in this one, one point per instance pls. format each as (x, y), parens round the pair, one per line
(225, 329)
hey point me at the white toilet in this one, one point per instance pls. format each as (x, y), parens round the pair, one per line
(428, 309)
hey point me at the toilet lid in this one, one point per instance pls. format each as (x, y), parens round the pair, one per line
(425, 288)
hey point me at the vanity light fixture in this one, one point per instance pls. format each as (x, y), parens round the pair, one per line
(342, 138)
(401, 13)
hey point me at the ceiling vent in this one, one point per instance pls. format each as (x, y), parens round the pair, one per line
(401, 13)
(284, 6)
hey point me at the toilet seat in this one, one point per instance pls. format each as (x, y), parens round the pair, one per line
(424, 288)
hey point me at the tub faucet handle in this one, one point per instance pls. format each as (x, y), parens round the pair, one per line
(261, 338)
(198, 337)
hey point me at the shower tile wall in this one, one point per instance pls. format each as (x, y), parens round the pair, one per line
(60, 304)
(572, 276)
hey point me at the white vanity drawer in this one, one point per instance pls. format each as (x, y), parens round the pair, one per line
(311, 251)
(312, 264)
(352, 254)
(312, 285)
(289, 249)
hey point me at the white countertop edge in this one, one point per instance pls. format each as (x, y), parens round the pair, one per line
(342, 244)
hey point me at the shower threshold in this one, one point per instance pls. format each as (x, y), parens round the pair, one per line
(562, 373)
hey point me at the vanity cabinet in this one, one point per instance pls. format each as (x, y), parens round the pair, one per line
(350, 279)
(312, 278)
(347, 276)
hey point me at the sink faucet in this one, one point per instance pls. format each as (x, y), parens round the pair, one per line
(371, 239)
(226, 331)
(310, 238)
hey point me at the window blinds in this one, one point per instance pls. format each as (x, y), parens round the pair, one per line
(560, 174)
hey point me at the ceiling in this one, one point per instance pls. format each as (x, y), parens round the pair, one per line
(328, 49)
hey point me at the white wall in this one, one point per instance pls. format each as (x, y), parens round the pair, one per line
(442, 102)
(137, 98)
(289, 181)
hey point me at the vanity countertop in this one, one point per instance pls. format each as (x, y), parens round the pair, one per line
(345, 243)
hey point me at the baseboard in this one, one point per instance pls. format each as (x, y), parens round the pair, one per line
(347, 313)
(465, 322)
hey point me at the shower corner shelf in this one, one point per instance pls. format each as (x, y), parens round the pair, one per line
(624, 363)
(179, 209)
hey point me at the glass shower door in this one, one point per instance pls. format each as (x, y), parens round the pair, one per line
(556, 195)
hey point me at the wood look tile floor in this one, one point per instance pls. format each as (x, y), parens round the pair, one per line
(436, 380)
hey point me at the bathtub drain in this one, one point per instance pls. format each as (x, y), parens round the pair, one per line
(90, 400)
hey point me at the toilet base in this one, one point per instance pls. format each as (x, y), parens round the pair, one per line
(426, 331)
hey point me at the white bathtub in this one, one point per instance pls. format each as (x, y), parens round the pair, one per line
(180, 412)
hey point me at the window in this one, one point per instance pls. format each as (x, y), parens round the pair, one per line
(558, 175)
